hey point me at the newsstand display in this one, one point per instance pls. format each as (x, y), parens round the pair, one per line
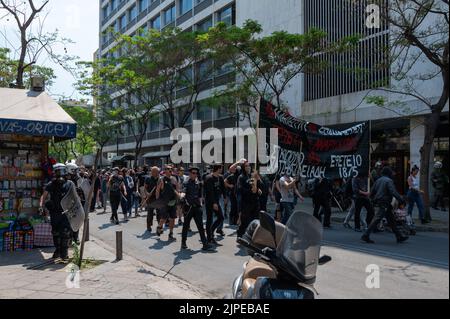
(22, 178)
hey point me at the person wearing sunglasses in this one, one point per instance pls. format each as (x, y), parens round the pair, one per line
(192, 189)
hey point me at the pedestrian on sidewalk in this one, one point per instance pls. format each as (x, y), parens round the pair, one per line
(288, 189)
(192, 188)
(383, 192)
(439, 181)
(361, 197)
(104, 180)
(415, 194)
(166, 191)
(230, 181)
(276, 197)
(117, 190)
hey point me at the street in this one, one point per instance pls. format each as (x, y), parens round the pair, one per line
(415, 269)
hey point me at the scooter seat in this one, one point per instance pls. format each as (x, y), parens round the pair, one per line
(256, 269)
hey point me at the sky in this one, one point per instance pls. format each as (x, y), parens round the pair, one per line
(77, 20)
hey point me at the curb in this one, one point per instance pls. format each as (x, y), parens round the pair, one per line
(419, 228)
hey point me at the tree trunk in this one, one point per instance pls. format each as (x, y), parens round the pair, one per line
(431, 125)
(23, 52)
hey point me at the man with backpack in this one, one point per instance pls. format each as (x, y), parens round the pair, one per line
(117, 190)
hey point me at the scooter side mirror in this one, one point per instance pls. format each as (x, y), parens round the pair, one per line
(267, 222)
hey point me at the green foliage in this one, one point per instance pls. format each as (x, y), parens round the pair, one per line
(8, 71)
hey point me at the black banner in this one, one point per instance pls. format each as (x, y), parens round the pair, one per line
(309, 150)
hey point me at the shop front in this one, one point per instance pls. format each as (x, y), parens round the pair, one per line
(28, 120)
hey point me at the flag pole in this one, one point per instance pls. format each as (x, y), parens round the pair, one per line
(257, 134)
(370, 154)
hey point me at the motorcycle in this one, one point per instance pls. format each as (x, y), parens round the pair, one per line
(284, 259)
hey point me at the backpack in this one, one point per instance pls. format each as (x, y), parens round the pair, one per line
(115, 185)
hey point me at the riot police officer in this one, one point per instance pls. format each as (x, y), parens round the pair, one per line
(61, 229)
(74, 176)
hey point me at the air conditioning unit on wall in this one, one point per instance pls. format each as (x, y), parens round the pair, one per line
(37, 84)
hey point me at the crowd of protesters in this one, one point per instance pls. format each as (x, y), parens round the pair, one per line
(174, 196)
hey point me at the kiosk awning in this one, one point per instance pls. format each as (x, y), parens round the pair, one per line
(34, 113)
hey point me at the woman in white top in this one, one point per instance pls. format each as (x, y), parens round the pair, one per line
(415, 194)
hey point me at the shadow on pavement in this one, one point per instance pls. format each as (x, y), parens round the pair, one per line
(26, 259)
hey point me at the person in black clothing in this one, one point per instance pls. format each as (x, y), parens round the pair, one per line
(96, 189)
(192, 189)
(142, 176)
(382, 194)
(151, 183)
(73, 175)
(61, 229)
(117, 189)
(321, 199)
(250, 193)
(361, 198)
(166, 190)
(263, 185)
(214, 188)
(231, 187)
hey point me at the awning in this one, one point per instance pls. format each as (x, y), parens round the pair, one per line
(34, 113)
(157, 154)
(122, 158)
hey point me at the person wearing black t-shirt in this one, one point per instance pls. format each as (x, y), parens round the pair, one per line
(151, 183)
(166, 191)
(214, 188)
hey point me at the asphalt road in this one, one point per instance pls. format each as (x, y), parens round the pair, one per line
(417, 268)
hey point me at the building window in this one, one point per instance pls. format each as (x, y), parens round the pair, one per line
(204, 25)
(182, 111)
(338, 19)
(204, 113)
(105, 12)
(225, 69)
(143, 4)
(226, 16)
(204, 70)
(123, 22)
(169, 15)
(133, 13)
(185, 6)
(113, 5)
(154, 123)
(156, 23)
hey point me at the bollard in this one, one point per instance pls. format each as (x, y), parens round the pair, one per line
(87, 230)
(119, 252)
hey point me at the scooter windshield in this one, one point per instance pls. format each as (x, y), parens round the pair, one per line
(299, 248)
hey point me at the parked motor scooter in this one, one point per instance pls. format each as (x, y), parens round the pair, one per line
(284, 258)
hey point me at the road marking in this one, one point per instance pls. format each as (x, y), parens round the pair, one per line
(387, 254)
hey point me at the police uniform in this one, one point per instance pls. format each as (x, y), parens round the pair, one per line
(61, 230)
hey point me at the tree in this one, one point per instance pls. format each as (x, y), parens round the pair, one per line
(419, 34)
(33, 40)
(266, 66)
(178, 64)
(135, 96)
(8, 71)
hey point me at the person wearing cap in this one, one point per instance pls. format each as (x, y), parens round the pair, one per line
(214, 189)
(192, 188)
(439, 182)
(166, 191)
(61, 229)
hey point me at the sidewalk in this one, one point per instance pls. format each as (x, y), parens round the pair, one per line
(126, 279)
(439, 223)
